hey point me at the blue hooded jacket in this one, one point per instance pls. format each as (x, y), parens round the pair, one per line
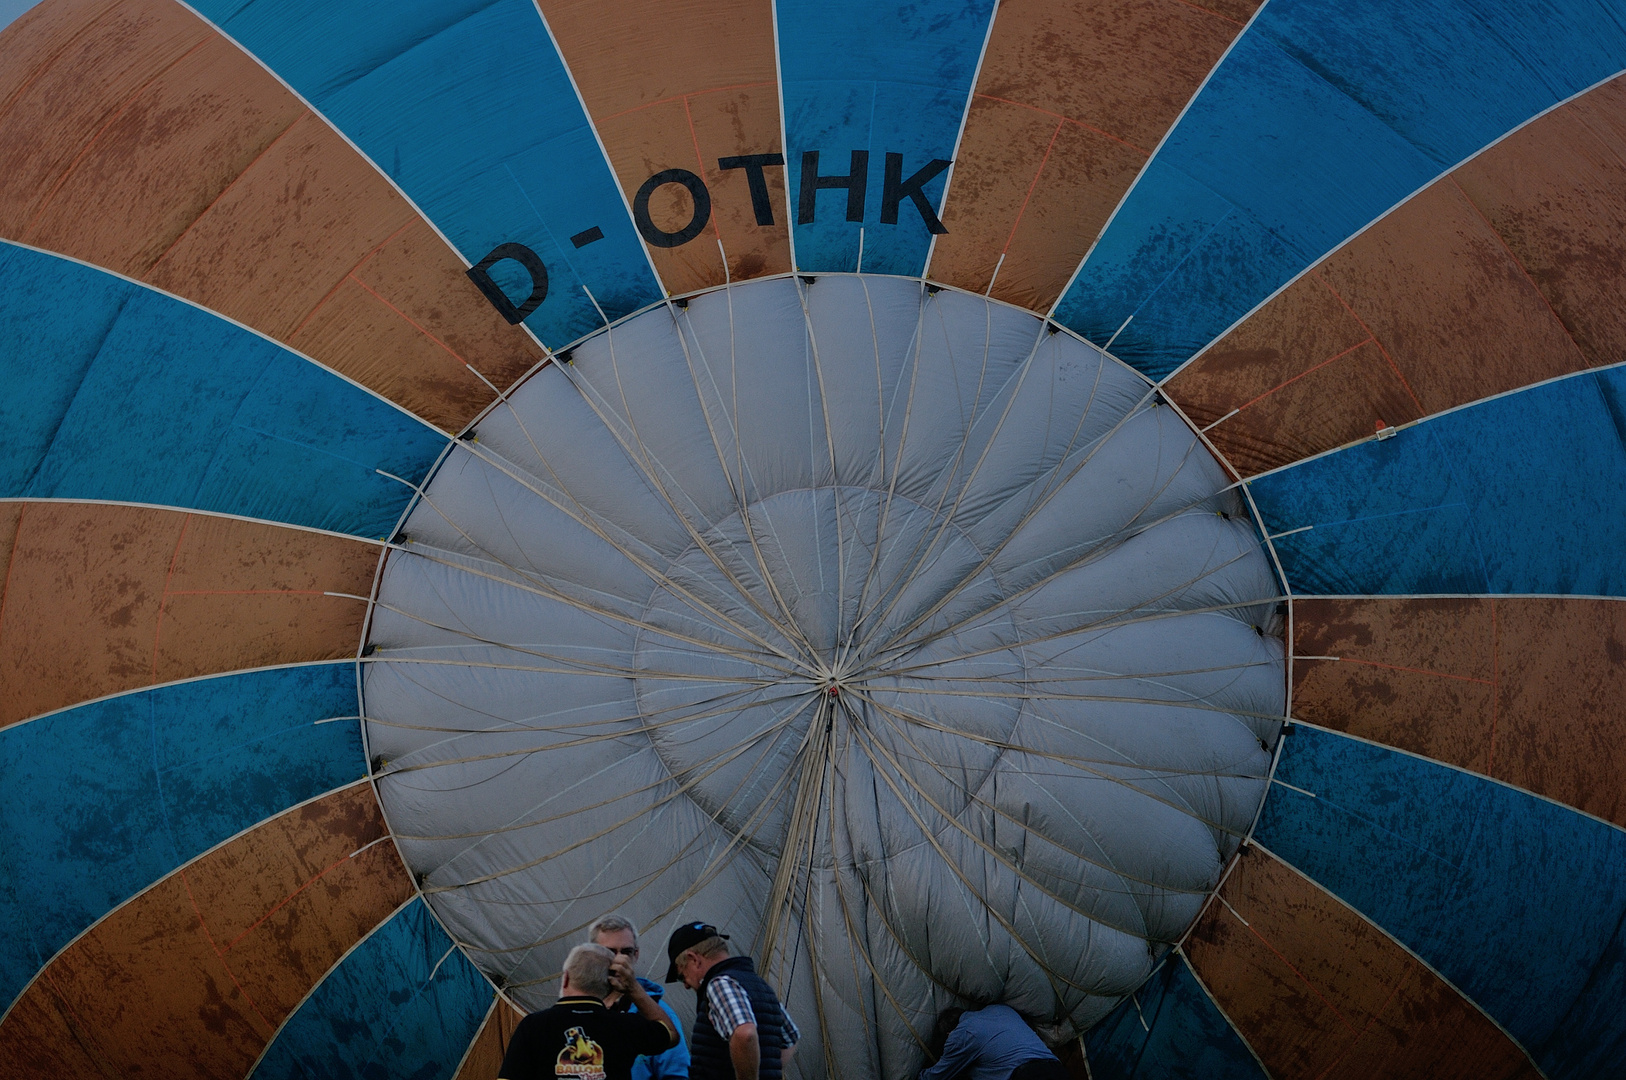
(671, 1064)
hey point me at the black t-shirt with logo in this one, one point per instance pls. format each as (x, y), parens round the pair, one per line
(579, 1038)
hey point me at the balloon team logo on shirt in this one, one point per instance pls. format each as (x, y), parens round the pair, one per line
(581, 1057)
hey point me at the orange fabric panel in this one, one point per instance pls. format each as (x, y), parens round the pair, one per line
(1530, 691)
(1556, 192)
(1448, 311)
(191, 977)
(182, 163)
(678, 85)
(1317, 991)
(101, 599)
(484, 1060)
(1505, 273)
(67, 67)
(1070, 102)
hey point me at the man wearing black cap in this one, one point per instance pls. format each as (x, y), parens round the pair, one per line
(741, 1032)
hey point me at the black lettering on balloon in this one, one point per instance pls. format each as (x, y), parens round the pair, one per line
(895, 189)
(479, 274)
(854, 182)
(752, 164)
(587, 236)
(657, 236)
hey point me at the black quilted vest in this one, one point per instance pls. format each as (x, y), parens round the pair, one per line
(708, 1051)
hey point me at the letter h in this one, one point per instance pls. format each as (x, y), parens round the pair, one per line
(856, 180)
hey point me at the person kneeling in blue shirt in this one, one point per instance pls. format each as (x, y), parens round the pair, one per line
(993, 1043)
(621, 937)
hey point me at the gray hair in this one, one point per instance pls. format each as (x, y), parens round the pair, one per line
(712, 946)
(587, 969)
(611, 924)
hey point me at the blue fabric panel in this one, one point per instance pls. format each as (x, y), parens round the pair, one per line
(883, 76)
(404, 1005)
(1519, 494)
(1175, 1034)
(100, 801)
(110, 390)
(468, 107)
(1324, 115)
(1518, 901)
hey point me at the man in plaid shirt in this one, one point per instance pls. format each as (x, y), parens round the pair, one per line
(741, 1031)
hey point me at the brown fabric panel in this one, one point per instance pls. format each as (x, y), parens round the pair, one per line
(1530, 691)
(285, 908)
(484, 1061)
(420, 281)
(85, 587)
(692, 133)
(69, 65)
(148, 144)
(242, 594)
(1351, 393)
(1506, 273)
(1556, 191)
(677, 84)
(11, 514)
(39, 1039)
(102, 598)
(307, 182)
(1043, 226)
(1450, 310)
(1414, 674)
(170, 984)
(1442, 293)
(1318, 991)
(165, 156)
(1305, 352)
(1561, 701)
(1110, 76)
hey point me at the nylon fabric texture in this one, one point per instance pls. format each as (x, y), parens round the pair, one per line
(1110, 506)
(916, 644)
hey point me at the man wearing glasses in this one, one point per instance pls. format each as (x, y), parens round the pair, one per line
(621, 937)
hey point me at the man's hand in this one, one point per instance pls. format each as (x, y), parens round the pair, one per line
(745, 1050)
(622, 979)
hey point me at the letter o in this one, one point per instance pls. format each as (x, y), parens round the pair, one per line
(658, 237)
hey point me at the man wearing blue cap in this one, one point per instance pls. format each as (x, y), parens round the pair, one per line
(741, 1031)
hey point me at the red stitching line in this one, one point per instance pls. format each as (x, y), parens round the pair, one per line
(1362, 323)
(280, 136)
(221, 956)
(1069, 120)
(1417, 670)
(684, 97)
(1042, 162)
(1370, 1020)
(286, 900)
(11, 561)
(1520, 264)
(1369, 340)
(694, 137)
(123, 108)
(365, 259)
(410, 322)
(1294, 970)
